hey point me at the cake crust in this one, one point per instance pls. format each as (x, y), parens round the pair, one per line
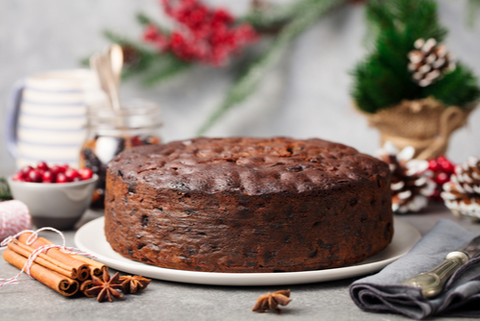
(248, 205)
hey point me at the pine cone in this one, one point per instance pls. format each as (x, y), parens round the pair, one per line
(410, 183)
(462, 193)
(429, 62)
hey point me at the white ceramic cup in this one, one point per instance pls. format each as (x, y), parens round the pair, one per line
(46, 116)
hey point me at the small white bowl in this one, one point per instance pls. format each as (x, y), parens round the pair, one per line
(58, 205)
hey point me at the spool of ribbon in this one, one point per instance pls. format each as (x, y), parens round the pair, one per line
(14, 217)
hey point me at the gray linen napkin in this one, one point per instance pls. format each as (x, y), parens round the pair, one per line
(460, 297)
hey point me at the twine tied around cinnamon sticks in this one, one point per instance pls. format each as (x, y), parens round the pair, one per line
(425, 124)
(57, 266)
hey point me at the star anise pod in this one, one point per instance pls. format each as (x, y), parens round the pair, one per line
(105, 287)
(270, 301)
(133, 284)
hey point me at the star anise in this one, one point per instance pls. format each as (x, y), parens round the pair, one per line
(132, 284)
(270, 301)
(105, 287)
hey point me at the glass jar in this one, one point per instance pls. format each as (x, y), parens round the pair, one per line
(110, 131)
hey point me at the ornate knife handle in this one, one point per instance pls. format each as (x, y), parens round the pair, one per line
(432, 282)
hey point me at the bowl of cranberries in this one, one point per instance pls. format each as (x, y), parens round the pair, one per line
(57, 196)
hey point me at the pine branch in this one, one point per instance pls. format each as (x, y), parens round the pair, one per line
(473, 8)
(5, 193)
(145, 20)
(153, 67)
(273, 16)
(249, 81)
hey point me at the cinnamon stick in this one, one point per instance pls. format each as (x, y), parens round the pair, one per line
(42, 259)
(53, 280)
(85, 286)
(81, 268)
(96, 268)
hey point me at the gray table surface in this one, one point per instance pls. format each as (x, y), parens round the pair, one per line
(163, 300)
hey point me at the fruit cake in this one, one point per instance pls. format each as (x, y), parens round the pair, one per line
(248, 205)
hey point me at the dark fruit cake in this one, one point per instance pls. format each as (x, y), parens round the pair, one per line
(248, 205)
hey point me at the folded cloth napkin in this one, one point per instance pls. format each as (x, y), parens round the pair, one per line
(460, 297)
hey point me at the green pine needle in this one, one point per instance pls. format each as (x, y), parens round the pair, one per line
(143, 19)
(5, 193)
(165, 68)
(457, 88)
(246, 84)
(383, 80)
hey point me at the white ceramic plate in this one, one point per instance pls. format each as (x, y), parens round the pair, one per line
(91, 238)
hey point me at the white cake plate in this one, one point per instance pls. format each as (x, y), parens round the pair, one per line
(91, 238)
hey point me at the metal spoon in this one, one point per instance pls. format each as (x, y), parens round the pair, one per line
(115, 53)
(97, 65)
(110, 82)
(102, 65)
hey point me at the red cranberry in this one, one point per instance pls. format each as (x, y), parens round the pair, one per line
(18, 177)
(150, 33)
(34, 176)
(442, 178)
(55, 169)
(447, 166)
(433, 165)
(61, 178)
(442, 159)
(42, 165)
(71, 174)
(85, 173)
(48, 177)
(63, 168)
(25, 170)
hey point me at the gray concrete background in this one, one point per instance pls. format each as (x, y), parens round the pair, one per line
(306, 95)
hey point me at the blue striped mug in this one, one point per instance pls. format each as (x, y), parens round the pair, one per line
(46, 116)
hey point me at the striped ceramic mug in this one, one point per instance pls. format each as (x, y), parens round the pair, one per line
(46, 116)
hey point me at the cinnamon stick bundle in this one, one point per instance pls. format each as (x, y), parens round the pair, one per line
(42, 259)
(60, 283)
(58, 271)
(81, 269)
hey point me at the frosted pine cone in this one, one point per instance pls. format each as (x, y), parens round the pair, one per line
(462, 193)
(410, 183)
(429, 62)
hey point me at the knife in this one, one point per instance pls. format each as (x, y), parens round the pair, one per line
(432, 282)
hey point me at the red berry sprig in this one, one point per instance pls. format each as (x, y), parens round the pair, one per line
(207, 35)
(54, 174)
(442, 169)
